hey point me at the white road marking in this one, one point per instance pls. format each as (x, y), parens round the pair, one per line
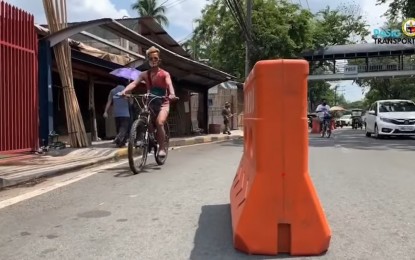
(85, 174)
(82, 175)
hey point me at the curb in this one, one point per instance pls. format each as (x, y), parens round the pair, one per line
(119, 154)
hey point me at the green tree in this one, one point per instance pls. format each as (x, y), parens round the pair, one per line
(386, 88)
(280, 29)
(356, 104)
(150, 8)
(399, 9)
(197, 51)
(290, 34)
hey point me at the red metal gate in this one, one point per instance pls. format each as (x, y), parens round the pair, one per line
(18, 81)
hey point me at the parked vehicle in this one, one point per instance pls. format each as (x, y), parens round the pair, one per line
(357, 121)
(391, 118)
(345, 120)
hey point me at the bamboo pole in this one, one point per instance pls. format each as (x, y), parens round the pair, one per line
(93, 116)
(56, 15)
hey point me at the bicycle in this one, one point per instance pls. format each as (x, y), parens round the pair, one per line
(326, 128)
(140, 137)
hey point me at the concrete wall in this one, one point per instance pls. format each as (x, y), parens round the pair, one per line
(218, 99)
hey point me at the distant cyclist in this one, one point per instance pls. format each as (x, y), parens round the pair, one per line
(323, 113)
(158, 82)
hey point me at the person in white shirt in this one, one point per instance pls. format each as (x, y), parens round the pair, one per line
(323, 112)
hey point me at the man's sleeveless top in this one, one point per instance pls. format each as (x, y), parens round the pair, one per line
(157, 85)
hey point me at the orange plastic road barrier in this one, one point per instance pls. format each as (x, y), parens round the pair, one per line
(315, 126)
(275, 208)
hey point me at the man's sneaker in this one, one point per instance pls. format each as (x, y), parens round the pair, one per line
(162, 154)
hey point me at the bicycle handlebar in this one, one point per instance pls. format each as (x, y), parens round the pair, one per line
(147, 95)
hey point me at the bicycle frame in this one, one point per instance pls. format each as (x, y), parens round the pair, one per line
(145, 110)
(326, 127)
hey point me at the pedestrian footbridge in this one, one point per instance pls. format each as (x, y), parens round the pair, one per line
(356, 61)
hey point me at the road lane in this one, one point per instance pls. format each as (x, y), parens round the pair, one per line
(181, 211)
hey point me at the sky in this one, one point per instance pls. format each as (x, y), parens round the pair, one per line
(181, 14)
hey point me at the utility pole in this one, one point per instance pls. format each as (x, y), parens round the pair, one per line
(335, 93)
(249, 26)
(193, 41)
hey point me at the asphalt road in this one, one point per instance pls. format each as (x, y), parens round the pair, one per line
(181, 211)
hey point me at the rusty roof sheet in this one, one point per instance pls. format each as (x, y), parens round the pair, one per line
(181, 67)
(153, 30)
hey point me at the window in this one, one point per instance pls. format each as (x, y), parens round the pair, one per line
(396, 106)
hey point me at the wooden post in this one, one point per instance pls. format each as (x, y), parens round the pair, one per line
(92, 112)
(233, 110)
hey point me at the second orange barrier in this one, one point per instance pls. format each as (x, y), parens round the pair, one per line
(275, 208)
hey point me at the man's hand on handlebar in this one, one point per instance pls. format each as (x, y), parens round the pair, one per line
(173, 97)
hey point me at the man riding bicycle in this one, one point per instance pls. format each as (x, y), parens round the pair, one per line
(323, 113)
(158, 82)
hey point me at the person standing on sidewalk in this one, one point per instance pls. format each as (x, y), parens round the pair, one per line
(226, 113)
(121, 112)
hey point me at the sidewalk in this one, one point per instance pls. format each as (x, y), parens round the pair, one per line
(58, 162)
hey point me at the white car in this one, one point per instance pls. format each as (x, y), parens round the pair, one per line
(391, 118)
(345, 120)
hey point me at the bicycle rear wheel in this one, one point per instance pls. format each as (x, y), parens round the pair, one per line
(161, 161)
(137, 146)
(328, 133)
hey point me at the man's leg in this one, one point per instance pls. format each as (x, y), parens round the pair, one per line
(117, 129)
(328, 125)
(228, 129)
(161, 133)
(124, 124)
(226, 126)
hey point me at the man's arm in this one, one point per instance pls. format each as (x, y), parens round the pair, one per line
(170, 84)
(133, 84)
(108, 105)
(318, 108)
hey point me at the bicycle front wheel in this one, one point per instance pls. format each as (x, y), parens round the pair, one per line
(161, 161)
(137, 146)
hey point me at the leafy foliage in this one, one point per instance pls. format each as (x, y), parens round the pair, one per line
(150, 8)
(280, 29)
(387, 88)
(399, 9)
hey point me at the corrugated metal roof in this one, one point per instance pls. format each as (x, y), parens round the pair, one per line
(151, 29)
(359, 50)
(183, 68)
(40, 30)
(224, 85)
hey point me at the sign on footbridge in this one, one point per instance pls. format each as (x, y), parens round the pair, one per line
(353, 72)
(369, 68)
